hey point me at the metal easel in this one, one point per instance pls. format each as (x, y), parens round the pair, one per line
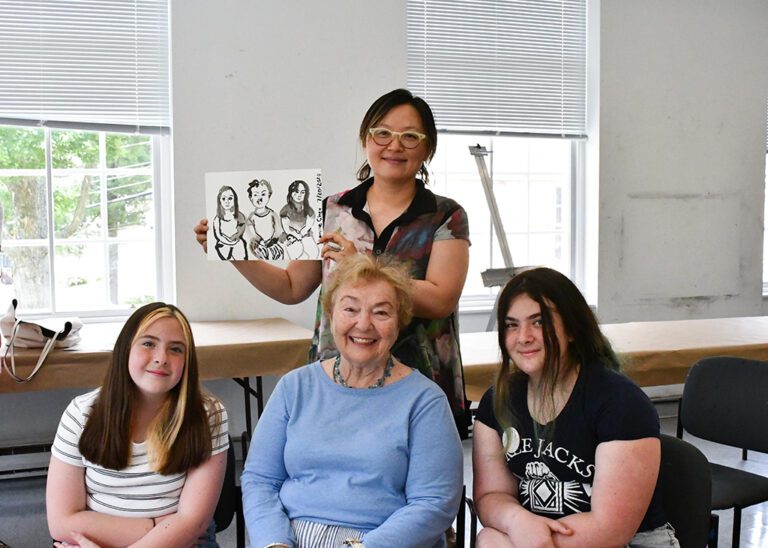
(494, 277)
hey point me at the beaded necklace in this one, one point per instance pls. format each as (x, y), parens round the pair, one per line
(378, 384)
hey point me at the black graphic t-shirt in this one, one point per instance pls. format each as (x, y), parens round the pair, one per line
(555, 476)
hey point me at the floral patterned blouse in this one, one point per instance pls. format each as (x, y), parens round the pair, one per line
(431, 346)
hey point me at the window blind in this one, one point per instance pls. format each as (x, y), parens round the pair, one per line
(76, 63)
(500, 66)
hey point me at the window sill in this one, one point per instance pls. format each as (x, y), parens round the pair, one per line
(476, 305)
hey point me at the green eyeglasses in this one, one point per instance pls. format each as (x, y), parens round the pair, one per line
(383, 136)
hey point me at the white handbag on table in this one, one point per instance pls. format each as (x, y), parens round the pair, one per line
(44, 334)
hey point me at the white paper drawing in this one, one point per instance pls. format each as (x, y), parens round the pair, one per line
(264, 215)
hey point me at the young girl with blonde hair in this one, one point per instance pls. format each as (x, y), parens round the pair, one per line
(141, 460)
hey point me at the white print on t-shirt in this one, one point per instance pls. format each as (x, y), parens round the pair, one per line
(540, 489)
(562, 455)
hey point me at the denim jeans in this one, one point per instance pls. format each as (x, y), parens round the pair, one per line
(208, 538)
(663, 536)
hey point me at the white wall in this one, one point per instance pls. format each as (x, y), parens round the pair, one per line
(683, 91)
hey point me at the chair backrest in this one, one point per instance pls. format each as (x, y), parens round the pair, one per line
(461, 522)
(230, 494)
(725, 400)
(686, 489)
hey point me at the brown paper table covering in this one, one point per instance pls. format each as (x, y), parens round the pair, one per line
(225, 350)
(653, 353)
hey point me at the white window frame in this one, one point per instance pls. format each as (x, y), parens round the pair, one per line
(482, 304)
(765, 230)
(162, 202)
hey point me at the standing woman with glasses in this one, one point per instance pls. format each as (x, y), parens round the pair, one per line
(391, 212)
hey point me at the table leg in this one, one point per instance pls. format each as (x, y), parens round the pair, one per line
(245, 382)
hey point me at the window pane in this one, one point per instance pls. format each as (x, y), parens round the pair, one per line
(74, 149)
(478, 262)
(80, 280)
(27, 276)
(24, 207)
(130, 151)
(88, 278)
(25, 271)
(545, 249)
(549, 155)
(765, 228)
(22, 148)
(76, 206)
(531, 182)
(511, 191)
(129, 206)
(519, 247)
(116, 266)
(546, 204)
(133, 276)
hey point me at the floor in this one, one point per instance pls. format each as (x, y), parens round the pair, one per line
(22, 501)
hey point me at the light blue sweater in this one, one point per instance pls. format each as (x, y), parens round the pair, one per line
(386, 461)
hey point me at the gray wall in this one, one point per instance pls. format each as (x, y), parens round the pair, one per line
(680, 155)
(683, 88)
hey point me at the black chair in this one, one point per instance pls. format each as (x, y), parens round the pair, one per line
(230, 501)
(461, 521)
(725, 400)
(686, 491)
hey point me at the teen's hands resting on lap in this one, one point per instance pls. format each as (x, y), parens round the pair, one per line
(85, 542)
(82, 542)
(529, 530)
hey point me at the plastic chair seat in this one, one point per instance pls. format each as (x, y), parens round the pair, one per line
(734, 487)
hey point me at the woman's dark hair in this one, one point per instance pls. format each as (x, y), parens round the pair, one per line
(219, 209)
(293, 187)
(180, 436)
(588, 347)
(381, 107)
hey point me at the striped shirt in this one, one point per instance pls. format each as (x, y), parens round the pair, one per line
(310, 534)
(136, 491)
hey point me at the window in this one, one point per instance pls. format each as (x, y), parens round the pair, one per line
(94, 249)
(84, 149)
(532, 186)
(765, 230)
(765, 216)
(509, 75)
